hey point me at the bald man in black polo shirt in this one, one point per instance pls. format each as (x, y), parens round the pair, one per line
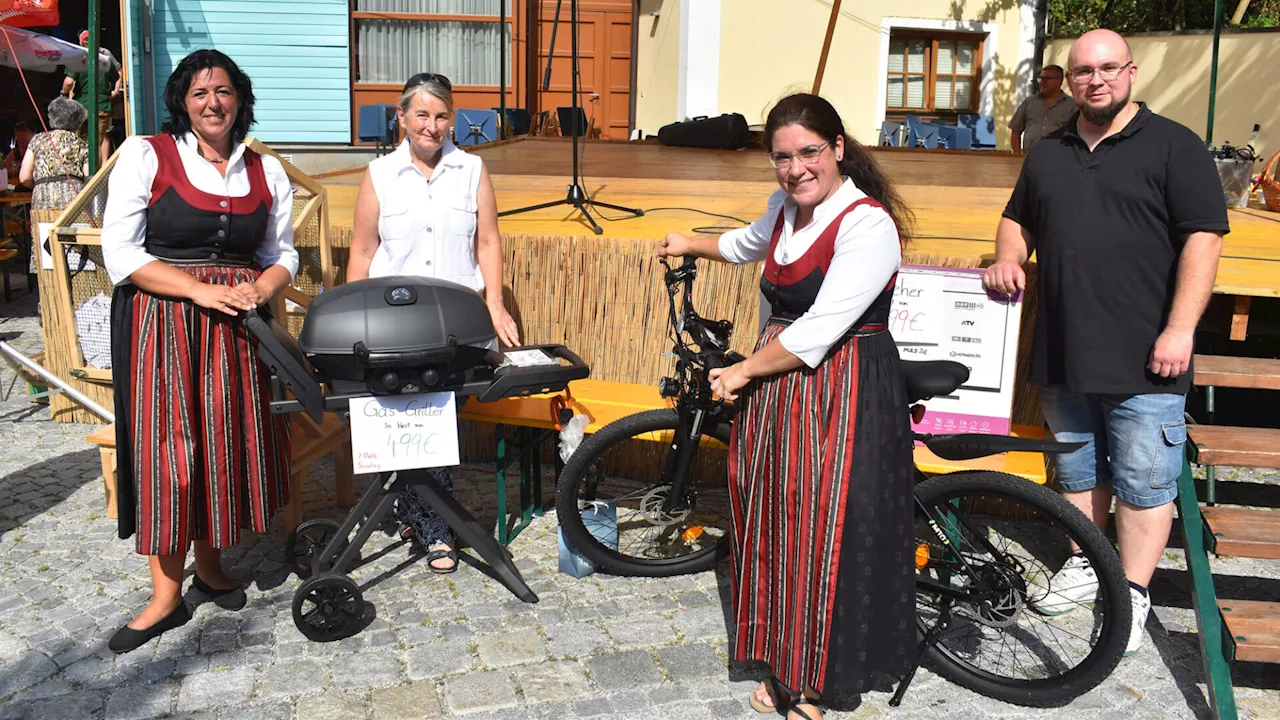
(1124, 211)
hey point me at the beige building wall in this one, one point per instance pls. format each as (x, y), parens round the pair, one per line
(657, 64)
(769, 48)
(1173, 79)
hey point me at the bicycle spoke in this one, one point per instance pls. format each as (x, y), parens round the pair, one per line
(1002, 564)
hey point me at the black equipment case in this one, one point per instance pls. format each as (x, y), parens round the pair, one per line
(726, 132)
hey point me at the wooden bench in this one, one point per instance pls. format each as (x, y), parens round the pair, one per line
(308, 443)
(603, 402)
(1236, 372)
(1238, 446)
(1253, 630)
(1243, 531)
(105, 438)
(1229, 629)
(1214, 445)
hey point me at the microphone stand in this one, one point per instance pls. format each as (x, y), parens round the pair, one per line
(576, 196)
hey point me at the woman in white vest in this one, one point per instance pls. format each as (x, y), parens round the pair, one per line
(429, 209)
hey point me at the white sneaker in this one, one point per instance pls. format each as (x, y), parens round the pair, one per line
(1141, 606)
(1071, 587)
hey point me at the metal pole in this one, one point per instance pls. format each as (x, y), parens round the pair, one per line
(94, 90)
(14, 356)
(502, 69)
(1213, 70)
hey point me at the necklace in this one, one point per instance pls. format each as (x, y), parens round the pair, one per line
(215, 161)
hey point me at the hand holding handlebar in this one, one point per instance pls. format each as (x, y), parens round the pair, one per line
(675, 245)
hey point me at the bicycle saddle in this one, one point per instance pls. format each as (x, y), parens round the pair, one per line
(931, 378)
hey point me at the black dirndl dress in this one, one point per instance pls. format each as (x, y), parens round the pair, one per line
(199, 454)
(823, 582)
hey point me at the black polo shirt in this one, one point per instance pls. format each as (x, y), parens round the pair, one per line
(1109, 226)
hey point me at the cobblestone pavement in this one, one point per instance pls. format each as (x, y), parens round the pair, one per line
(440, 646)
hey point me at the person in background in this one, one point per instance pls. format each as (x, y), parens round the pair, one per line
(22, 133)
(76, 87)
(822, 566)
(198, 231)
(429, 209)
(1124, 211)
(57, 161)
(1043, 112)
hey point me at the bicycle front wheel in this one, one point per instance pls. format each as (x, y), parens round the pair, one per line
(627, 465)
(987, 546)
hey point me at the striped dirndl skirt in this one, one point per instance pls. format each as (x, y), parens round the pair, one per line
(821, 498)
(205, 455)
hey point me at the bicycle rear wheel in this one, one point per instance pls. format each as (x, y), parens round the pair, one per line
(628, 463)
(977, 590)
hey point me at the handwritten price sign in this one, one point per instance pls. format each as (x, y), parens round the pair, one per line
(403, 432)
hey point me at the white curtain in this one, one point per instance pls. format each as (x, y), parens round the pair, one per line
(389, 51)
(451, 7)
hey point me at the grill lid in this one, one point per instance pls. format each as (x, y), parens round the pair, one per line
(397, 314)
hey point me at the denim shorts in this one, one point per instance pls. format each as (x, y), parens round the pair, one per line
(1134, 443)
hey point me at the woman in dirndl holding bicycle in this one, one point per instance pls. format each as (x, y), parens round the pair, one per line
(821, 454)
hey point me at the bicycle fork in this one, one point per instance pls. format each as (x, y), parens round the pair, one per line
(684, 446)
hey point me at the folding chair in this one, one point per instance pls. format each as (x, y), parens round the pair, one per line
(955, 138)
(571, 125)
(519, 121)
(984, 130)
(921, 133)
(377, 124)
(890, 134)
(474, 127)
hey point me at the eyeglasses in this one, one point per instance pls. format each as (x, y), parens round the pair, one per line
(808, 156)
(1106, 72)
(424, 78)
(1047, 78)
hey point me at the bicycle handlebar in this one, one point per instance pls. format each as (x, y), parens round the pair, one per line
(711, 336)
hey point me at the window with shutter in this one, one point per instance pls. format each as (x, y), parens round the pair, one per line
(933, 73)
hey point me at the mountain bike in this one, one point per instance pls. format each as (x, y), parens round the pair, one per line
(987, 543)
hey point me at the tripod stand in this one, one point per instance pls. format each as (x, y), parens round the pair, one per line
(576, 196)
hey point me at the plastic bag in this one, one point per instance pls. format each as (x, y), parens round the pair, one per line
(571, 434)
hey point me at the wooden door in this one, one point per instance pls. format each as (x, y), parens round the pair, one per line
(604, 63)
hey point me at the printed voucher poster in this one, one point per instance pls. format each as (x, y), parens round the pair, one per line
(945, 314)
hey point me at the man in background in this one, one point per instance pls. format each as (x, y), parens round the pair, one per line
(1043, 113)
(22, 132)
(76, 87)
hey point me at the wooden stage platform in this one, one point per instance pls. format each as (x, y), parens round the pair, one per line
(957, 198)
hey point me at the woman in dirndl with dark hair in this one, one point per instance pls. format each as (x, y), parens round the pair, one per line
(820, 459)
(198, 230)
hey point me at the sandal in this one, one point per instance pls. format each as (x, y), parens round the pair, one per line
(440, 554)
(771, 687)
(804, 714)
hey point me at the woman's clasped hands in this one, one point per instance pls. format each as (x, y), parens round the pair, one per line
(228, 299)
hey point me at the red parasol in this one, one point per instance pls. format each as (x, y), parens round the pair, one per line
(29, 13)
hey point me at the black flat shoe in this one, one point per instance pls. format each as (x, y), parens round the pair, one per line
(229, 599)
(127, 639)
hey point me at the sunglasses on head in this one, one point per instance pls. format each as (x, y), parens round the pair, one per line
(424, 78)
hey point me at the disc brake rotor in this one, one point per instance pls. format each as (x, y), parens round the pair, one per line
(651, 508)
(1001, 596)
